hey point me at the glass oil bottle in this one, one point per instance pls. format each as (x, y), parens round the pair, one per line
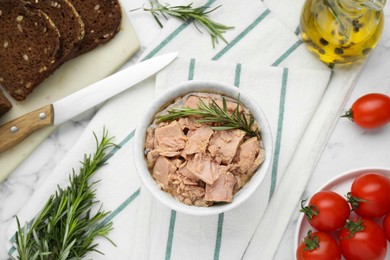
(341, 31)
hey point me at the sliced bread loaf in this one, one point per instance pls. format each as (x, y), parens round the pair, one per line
(68, 23)
(5, 105)
(102, 20)
(28, 47)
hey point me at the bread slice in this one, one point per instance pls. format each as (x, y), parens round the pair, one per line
(29, 42)
(102, 20)
(5, 105)
(68, 23)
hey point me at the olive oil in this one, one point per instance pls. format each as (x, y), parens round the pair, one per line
(341, 31)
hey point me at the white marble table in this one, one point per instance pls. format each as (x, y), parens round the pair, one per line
(348, 147)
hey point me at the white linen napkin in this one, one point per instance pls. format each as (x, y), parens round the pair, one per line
(290, 94)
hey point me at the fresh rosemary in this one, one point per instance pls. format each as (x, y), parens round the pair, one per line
(66, 226)
(214, 114)
(187, 13)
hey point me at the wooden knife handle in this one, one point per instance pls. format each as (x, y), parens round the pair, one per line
(17, 130)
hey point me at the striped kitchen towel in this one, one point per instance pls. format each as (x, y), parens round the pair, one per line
(144, 229)
(265, 58)
(226, 236)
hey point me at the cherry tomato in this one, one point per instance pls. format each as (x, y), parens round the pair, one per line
(327, 211)
(370, 111)
(370, 195)
(318, 246)
(386, 226)
(363, 239)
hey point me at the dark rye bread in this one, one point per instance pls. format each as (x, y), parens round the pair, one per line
(102, 20)
(29, 42)
(5, 105)
(68, 22)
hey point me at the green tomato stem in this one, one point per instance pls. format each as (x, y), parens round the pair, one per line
(309, 211)
(311, 242)
(349, 114)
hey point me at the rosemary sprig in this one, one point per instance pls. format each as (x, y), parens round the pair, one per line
(213, 113)
(66, 226)
(187, 13)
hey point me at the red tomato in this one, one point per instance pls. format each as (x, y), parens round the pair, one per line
(370, 195)
(318, 246)
(327, 211)
(363, 239)
(386, 226)
(370, 111)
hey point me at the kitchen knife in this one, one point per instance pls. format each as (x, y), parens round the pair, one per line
(13, 132)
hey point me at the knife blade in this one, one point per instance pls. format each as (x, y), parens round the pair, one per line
(15, 131)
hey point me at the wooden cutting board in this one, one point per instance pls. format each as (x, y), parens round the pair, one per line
(70, 77)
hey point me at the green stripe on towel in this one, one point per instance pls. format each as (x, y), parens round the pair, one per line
(237, 76)
(241, 35)
(287, 53)
(297, 30)
(167, 40)
(191, 69)
(279, 131)
(12, 250)
(219, 236)
(121, 207)
(120, 145)
(171, 231)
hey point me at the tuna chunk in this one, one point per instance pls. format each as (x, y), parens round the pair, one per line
(242, 179)
(149, 143)
(247, 154)
(259, 160)
(169, 154)
(183, 170)
(191, 195)
(193, 101)
(199, 140)
(203, 168)
(170, 138)
(222, 189)
(177, 162)
(249, 158)
(188, 123)
(224, 144)
(230, 106)
(162, 169)
(151, 158)
(186, 190)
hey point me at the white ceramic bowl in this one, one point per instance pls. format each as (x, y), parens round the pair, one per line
(167, 98)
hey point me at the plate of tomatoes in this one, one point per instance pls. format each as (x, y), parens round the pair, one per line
(347, 218)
